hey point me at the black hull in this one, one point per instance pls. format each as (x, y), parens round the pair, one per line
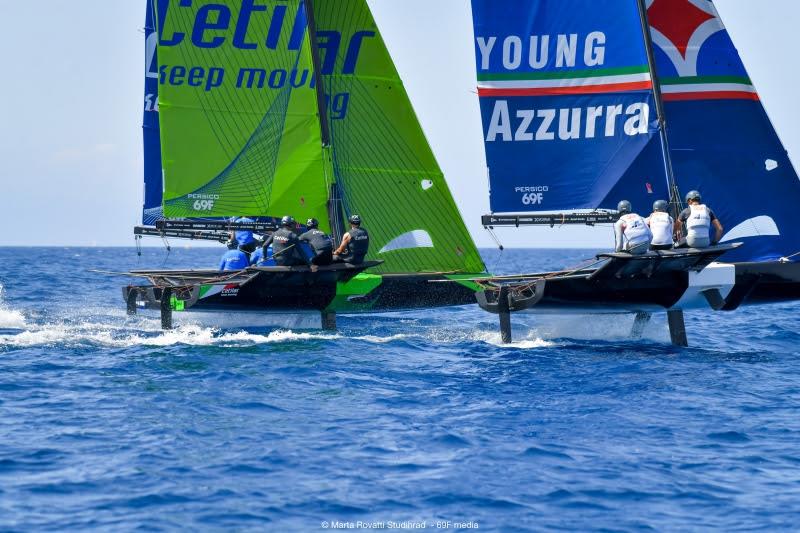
(657, 280)
(772, 282)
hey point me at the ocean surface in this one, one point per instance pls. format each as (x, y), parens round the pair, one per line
(408, 419)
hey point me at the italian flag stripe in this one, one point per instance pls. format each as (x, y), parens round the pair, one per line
(577, 82)
(597, 73)
(567, 90)
(708, 91)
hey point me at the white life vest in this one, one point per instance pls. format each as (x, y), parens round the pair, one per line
(661, 225)
(699, 222)
(635, 231)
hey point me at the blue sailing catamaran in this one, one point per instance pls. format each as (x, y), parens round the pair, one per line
(586, 103)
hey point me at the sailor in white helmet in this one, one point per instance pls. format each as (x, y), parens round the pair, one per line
(631, 231)
(698, 219)
(661, 226)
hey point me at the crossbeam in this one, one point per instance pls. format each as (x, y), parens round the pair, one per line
(555, 219)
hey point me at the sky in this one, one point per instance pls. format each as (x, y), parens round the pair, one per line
(70, 118)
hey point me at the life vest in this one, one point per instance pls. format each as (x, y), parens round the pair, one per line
(661, 225)
(285, 247)
(319, 241)
(359, 243)
(635, 231)
(699, 222)
(244, 237)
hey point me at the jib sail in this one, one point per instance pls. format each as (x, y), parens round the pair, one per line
(722, 141)
(384, 166)
(240, 132)
(569, 114)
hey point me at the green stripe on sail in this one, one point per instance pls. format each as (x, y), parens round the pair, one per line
(248, 141)
(383, 163)
(698, 80)
(599, 73)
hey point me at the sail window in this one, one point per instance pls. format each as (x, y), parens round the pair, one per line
(770, 164)
(413, 239)
(426, 184)
(753, 227)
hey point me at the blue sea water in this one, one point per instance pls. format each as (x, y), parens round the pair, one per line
(107, 423)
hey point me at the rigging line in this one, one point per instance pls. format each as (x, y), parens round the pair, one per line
(788, 258)
(500, 246)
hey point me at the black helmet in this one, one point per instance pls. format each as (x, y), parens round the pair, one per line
(355, 219)
(693, 195)
(232, 244)
(660, 205)
(288, 221)
(624, 207)
(312, 223)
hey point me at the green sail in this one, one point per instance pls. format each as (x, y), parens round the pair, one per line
(383, 163)
(240, 129)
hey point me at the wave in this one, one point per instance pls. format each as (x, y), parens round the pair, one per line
(11, 319)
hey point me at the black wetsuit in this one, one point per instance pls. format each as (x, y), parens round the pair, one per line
(285, 248)
(321, 246)
(357, 248)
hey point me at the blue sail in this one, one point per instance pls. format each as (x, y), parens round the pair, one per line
(153, 187)
(722, 142)
(569, 114)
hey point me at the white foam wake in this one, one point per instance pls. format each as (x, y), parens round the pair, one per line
(11, 319)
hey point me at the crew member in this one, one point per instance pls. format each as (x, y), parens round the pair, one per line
(262, 257)
(355, 244)
(246, 239)
(698, 219)
(285, 244)
(234, 259)
(661, 226)
(631, 231)
(321, 245)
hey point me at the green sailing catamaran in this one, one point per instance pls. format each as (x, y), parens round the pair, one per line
(295, 107)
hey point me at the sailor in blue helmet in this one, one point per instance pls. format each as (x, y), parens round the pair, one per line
(355, 244)
(631, 231)
(698, 219)
(234, 259)
(661, 226)
(285, 244)
(321, 244)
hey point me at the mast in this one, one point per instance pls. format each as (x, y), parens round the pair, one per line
(335, 211)
(674, 192)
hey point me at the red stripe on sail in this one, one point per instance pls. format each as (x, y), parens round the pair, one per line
(555, 91)
(711, 95)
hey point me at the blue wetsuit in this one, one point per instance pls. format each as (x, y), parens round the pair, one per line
(244, 237)
(234, 260)
(257, 258)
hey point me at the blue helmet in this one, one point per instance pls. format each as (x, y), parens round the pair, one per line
(693, 195)
(624, 207)
(660, 205)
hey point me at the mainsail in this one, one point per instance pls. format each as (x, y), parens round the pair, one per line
(566, 94)
(722, 141)
(383, 163)
(240, 132)
(152, 210)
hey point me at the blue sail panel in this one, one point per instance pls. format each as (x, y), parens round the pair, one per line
(722, 141)
(153, 187)
(567, 104)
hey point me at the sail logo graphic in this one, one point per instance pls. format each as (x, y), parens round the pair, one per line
(257, 29)
(682, 30)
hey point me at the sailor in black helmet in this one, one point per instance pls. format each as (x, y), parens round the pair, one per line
(661, 226)
(355, 244)
(698, 219)
(321, 245)
(631, 231)
(285, 244)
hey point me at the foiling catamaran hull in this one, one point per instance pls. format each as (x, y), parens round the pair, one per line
(666, 281)
(290, 296)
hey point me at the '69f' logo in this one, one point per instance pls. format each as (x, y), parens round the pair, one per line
(203, 205)
(532, 198)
